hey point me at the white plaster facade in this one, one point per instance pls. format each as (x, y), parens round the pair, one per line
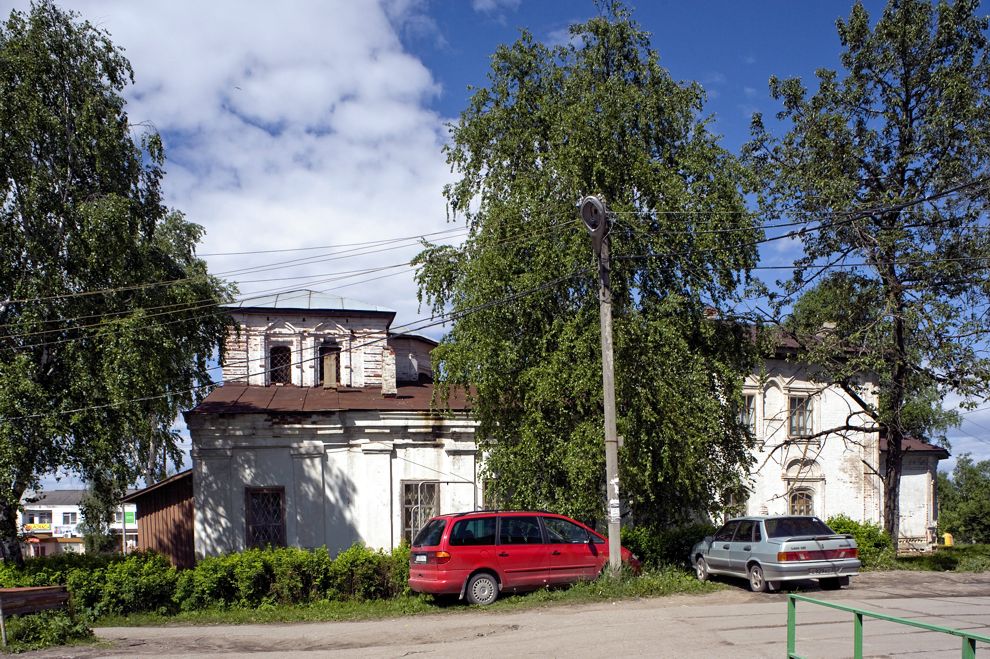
(361, 461)
(833, 475)
(342, 461)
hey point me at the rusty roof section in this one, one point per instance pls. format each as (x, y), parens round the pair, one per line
(914, 445)
(235, 398)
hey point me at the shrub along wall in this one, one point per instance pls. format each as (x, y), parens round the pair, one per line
(119, 585)
(669, 546)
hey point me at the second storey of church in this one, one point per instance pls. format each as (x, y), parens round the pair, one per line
(310, 339)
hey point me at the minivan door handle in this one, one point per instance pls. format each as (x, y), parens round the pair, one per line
(747, 547)
(555, 553)
(725, 546)
(503, 553)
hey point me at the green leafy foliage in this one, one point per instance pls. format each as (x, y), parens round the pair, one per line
(104, 297)
(660, 547)
(964, 501)
(884, 166)
(595, 115)
(45, 629)
(876, 551)
(116, 585)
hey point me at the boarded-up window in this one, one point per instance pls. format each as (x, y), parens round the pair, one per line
(264, 512)
(280, 365)
(333, 353)
(420, 502)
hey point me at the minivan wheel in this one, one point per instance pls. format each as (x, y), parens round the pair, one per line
(757, 583)
(482, 589)
(701, 569)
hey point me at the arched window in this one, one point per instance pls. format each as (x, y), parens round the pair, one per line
(801, 502)
(280, 365)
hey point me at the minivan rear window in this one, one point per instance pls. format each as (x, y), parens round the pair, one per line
(429, 535)
(478, 531)
(783, 527)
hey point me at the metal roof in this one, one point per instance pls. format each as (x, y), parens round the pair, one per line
(307, 300)
(251, 399)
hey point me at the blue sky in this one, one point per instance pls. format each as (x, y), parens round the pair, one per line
(305, 123)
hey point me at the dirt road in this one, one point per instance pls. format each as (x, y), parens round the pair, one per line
(732, 622)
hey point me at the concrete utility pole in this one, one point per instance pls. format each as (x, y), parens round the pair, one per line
(596, 219)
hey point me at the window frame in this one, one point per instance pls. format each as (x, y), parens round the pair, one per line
(747, 415)
(249, 491)
(803, 404)
(69, 518)
(805, 493)
(271, 370)
(411, 526)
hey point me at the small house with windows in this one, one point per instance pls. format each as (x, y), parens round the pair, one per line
(326, 431)
(800, 469)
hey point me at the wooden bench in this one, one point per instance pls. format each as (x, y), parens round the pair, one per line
(29, 600)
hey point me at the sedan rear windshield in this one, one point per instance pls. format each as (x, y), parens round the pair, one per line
(785, 527)
(429, 535)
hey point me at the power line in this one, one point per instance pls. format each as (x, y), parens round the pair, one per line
(414, 326)
(211, 302)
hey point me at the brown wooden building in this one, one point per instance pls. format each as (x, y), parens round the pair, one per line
(165, 518)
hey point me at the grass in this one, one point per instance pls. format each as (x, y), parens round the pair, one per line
(652, 583)
(959, 558)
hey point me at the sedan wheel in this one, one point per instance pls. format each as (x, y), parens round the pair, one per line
(701, 569)
(757, 583)
(482, 589)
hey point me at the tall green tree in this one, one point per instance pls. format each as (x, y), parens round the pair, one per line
(886, 165)
(598, 115)
(964, 501)
(103, 296)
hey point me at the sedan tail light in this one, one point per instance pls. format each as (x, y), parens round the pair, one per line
(815, 555)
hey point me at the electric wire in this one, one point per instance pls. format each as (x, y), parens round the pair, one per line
(413, 326)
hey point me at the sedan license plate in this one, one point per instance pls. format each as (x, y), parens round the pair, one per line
(821, 570)
(420, 558)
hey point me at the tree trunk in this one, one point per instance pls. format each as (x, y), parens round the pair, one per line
(10, 544)
(892, 484)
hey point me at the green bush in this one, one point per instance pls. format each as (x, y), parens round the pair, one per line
(140, 582)
(360, 573)
(876, 551)
(659, 547)
(40, 630)
(212, 583)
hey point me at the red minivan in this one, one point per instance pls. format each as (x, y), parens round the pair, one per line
(479, 554)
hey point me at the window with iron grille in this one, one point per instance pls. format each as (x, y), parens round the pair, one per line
(799, 417)
(420, 502)
(801, 502)
(264, 513)
(280, 365)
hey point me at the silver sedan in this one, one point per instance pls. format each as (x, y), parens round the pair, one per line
(768, 550)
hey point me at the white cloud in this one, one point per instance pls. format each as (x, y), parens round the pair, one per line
(494, 6)
(292, 125)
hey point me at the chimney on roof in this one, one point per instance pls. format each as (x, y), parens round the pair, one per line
(388, 373)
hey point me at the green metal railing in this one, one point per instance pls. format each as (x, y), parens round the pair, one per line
(969, 639)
